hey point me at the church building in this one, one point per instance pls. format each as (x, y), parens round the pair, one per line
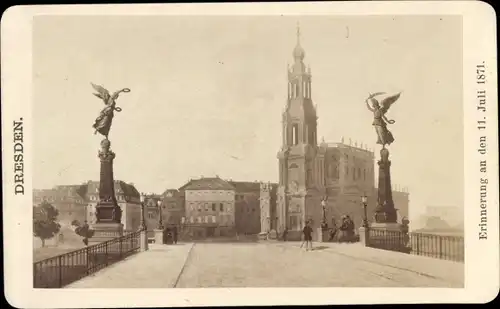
(310, 171)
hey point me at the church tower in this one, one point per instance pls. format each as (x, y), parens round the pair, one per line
(300, 164)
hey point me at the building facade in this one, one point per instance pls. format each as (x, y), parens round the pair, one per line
(173, 207)
(209, 208)
(309, 172)
(69, 200)
(247, 207)
(78, 202)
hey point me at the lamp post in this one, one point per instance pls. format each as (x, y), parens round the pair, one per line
(143, 229)
(160, 221)
(364, 201)
(143, 225)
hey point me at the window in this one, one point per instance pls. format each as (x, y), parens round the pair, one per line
(213, 206)
(206, 206)
(151, 215)
(214, 219)
(353, 173)
(359, 172)
(364, 174)
(221, 207)
(295, 134)
(199, 207)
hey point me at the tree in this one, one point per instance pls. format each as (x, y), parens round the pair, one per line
(83, 230)
(45, 224)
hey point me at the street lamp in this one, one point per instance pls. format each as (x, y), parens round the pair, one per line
(160, 221)
(364, 201)
(143, 225)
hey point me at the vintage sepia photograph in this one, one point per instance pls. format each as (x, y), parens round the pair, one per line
(237, 150)
(278, 145)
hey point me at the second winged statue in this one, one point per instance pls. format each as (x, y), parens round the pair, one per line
(103, 122)
(384, 136)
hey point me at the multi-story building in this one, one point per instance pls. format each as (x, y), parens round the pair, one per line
(247, 207)
(69, 200)
(173, 207)
(310, 172)
(78, 202)
(209, 208)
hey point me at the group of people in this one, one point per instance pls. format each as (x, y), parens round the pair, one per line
(347, 232)
(347, 228)
(172, 235)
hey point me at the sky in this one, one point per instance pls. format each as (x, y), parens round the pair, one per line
(207, 95)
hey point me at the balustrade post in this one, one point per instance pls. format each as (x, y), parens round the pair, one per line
(418, 245)
(121, 249)
(106, 252)
(87, 262)
(59, 261)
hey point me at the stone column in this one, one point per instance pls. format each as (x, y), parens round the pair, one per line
(108, 214)
(385, 211)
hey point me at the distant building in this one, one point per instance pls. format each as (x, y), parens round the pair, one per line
(453, 215)
(209, 208)
(69, 200)
(78, 202)
(173, 207)
(247, 206)
(152, 212)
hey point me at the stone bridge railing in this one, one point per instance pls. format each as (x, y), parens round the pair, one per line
(431, 245)
(61, 270)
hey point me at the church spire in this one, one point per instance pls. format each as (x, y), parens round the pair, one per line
(298, 51)
(298, 33)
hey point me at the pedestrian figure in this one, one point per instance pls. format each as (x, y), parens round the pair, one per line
(285, 232)
(307, 236)
(174, 232)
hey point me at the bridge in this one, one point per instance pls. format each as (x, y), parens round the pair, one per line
(273, 264)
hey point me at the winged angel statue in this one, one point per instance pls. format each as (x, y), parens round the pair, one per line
(384, 136)
(103, 122)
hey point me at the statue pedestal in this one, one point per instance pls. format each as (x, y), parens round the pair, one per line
(322, 234)
(105, 231)
(159, 237)
(364, 236)
(143, 240)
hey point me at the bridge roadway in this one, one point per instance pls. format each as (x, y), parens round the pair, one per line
(274, 264)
